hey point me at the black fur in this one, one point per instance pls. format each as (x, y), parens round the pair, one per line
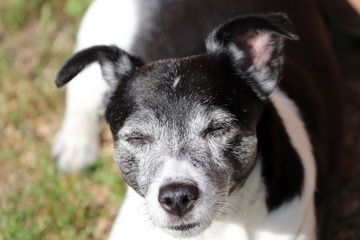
(243, 32)
(236, 29)
(102, 54)
(213, 79)
(282, 168)
(206, 81)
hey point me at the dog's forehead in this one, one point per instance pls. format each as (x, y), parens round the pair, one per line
(195, 79)
(174, 89)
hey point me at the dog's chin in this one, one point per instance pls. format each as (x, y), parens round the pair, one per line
(185, 230)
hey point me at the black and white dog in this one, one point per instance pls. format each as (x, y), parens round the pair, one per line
(209, 142)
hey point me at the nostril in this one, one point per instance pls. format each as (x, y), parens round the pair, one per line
(185, 200)
(168, 201)
(192, 192)
(178, 198)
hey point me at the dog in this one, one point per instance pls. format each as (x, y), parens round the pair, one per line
(210, 142)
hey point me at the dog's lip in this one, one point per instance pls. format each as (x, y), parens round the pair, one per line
(184, 227)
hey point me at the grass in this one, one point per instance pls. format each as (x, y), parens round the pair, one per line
(37, 201)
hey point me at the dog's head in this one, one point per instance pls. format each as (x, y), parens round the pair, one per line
(185, 129)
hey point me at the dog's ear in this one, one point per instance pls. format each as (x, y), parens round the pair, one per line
(115, 64)
(254, 45)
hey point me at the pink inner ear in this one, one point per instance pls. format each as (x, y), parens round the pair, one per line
(260, 49)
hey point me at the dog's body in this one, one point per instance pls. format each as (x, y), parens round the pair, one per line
(214, 129)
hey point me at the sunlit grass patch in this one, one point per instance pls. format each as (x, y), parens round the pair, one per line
(36, 200)
(42, 203)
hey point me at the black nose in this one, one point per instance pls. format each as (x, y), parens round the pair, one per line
(178, 198)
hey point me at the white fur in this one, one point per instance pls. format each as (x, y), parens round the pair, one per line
(76, 144)
(246, 216)
(304, 207)
(122, 66)
(213, 46)
(180, 171)
(176, 81)
(133, 220)
(105, 22)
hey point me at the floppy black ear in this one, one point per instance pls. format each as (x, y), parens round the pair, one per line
(115, 64)
(255, 47)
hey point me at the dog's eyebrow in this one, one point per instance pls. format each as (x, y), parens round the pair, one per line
(221, 122)
(221, 116)
(139, 120)
(203, 118)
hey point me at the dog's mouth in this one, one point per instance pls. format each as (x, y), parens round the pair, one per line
(185, 230)
(184, 227)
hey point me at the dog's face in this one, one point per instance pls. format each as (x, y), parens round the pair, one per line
(185, 129)
(186, 139)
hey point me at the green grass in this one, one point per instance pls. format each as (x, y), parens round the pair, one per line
(37, 201)
(53, 205)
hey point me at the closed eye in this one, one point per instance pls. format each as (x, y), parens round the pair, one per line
(137, 139)
(216, 131)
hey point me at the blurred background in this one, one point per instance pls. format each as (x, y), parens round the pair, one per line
(39, 202)
(36, 200)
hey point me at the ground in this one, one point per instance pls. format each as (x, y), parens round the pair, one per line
(39, 202)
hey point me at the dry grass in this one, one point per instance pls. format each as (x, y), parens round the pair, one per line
(37, 201)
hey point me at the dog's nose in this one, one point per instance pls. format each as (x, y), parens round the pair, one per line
(178, 198)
